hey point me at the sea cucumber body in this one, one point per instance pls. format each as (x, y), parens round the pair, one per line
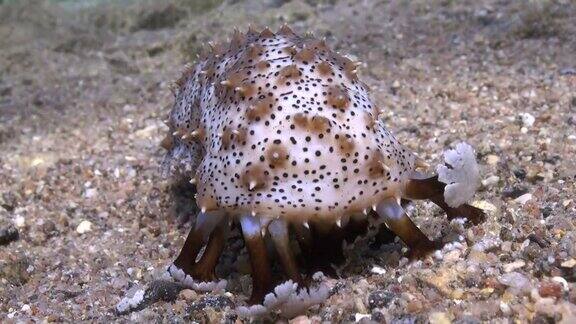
(278, 125)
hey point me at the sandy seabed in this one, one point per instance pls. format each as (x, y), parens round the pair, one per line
(86, 217)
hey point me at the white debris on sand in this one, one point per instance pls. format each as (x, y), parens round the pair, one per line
(166, 286)
(174, 273)
(84, 227)
(378, 270)
(287, 300)
(516, 281)
(487, 243)
(129, 303)
(523, 199)
(460, 174)
(527, 119)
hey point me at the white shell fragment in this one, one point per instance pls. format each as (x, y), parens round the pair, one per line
(460, 174)
(129, 303)
(287, 300)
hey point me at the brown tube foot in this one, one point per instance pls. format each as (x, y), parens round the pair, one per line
(424, 188)
(303, 236)
(197, 237)
(261, 271)
(204, 269)
(472, 214)
(432, 189)
(398, 221)
(279, 232)
(187, 257)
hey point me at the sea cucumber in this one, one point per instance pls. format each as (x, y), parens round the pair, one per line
(281, 138)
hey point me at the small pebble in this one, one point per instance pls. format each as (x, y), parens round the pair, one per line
(562, 281)
(26, 309)
(523, 199)
(16, 272)
(457, 294)
(188, 294)
(550, 289)
(378, 317)
(568, 71)
(568, 263)
(485, 205)
(360, 306)
(505, 308)
(515, 280)
(486, 244)
(414, 306)
(514, 265)
(358, 316)
(84, 227)
(302, 319)
(506, 246)
(452, 256)
(546, 211)
(439, 318)
(520, 174)
(49, 228)
(8, 234)
(492, 159)
(91, 192)
(379, 299)
(527, 119)
(490, 181)
(19, 221)
(514, 192)
(8, 201)
(215, 302)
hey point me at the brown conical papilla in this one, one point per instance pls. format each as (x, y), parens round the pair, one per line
(259, 109)
(292, 50)
(254, 178)
(305, 55)
(277, 155)
(267, 33)
(263, 65)
(254, 51)
(345, 143)
(337, 97)
(319, 124)
(290, 72)
(216, 49)
(324, 68)
(238, 40)
(168, 142)
(240, 135)
(286, 31)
